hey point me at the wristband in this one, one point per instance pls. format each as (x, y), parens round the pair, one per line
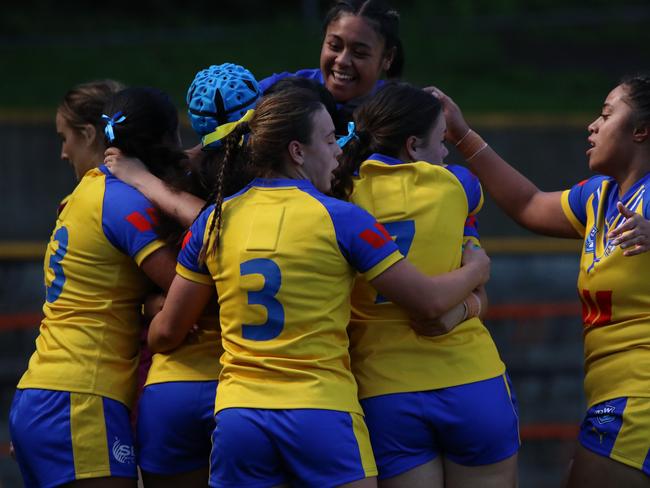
(473, 304)
(463, 138)
(471, 144)
(465, 311)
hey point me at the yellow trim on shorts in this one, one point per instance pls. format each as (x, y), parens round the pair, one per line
(363, 441)
(633, 441)
(505, 382)
(147, 251)
(88, 431)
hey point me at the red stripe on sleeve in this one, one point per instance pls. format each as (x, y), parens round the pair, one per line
(186, 239)
(153, 215)
(137, 220)
(383, 231)
(372, 238)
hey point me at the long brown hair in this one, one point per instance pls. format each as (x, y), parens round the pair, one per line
(280, 118)
(84, 103)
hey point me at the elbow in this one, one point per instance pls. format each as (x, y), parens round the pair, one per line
(162, 338)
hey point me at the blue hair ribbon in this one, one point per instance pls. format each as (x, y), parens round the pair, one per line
(342, 141)
(110, 123)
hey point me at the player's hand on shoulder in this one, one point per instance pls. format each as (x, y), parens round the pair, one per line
(127, 169)
(633, 235)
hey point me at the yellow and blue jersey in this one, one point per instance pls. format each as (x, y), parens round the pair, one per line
(430, 211)
(88, 341)
(614, 290)
(197, 359)
(284, 269)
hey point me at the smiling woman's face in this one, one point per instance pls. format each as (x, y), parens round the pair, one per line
(352, 57)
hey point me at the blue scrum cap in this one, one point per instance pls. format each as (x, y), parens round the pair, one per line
(220, 94)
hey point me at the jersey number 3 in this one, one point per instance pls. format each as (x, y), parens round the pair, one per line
(53, 291)
(265, 297)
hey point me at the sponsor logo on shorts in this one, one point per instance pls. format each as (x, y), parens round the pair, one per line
(604, 414)
(123, 453)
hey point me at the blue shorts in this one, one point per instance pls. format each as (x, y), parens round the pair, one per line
(61, 437)
(472, 425)
(619, 429)
(301, 447)
(175, 424)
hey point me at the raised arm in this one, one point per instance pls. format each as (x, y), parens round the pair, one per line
(180, 206)
(515, 194)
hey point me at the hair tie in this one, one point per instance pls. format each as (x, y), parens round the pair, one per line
(110, 123)
(224, 130)
(342, 141)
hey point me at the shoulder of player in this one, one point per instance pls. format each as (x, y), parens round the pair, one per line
(340, 211)
(592, 184)
(120, 190)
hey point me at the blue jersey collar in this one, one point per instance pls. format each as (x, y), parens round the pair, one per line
(382, 158)
(281, 182)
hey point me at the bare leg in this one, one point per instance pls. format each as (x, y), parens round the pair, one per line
(498, 475)
(596, 471)
(364, 483)
(427, 475)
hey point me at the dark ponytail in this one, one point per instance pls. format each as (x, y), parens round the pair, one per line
(142, 122)
(355, 152)
(383, 124)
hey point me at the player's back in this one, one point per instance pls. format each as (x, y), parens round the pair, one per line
(425, 208)
(88, 339)
(284, 268)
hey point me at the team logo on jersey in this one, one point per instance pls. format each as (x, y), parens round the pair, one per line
(590, 241)
(123, 453)
(604, 414)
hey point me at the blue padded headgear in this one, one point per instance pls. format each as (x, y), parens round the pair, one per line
(220, 94)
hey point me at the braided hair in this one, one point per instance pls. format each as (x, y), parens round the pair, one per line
(280, 118)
